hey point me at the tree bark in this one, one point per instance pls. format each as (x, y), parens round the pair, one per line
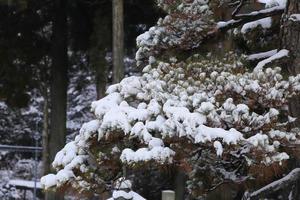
(118, 40)
(59, 70)
(290, 34)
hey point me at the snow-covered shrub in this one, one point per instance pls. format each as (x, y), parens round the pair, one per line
(24, 169)
(7, 192)
(123, 190)
(211, 117)
(181, 112)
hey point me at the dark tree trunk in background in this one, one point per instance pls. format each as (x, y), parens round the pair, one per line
(59, 70)
(101, 75)
(45, 134)
(180, 185)
(291, 41)
(100, 44)
(118, 40)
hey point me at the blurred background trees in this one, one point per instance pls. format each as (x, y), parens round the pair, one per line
(55, 58)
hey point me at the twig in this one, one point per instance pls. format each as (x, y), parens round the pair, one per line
(237, 9)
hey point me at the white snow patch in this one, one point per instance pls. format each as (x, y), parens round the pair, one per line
(219, 148)
(273, 3)
(157, 153)
(295, 17)
(48, 181)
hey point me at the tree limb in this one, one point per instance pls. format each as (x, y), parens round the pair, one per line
(262, 13)
(249, 17)
(275, 186)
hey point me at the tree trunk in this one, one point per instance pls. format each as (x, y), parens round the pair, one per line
(290, 34)
(59, 70)
(118, 41)
(101, 76)
(100, 43)
(180, 185)
(45, 134)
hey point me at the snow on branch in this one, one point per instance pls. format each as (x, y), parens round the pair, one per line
(250, 17)
(276, 10)
(275, 186)
(279, 55)
(264, 23)
(262, 55)
(238, 8)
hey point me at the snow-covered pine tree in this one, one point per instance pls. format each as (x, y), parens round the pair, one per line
(208, 115)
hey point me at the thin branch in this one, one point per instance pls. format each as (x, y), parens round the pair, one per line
(217, 185)
(237, 9)
(233, 4)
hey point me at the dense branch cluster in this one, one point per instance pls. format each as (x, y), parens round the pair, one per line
(185, 27)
